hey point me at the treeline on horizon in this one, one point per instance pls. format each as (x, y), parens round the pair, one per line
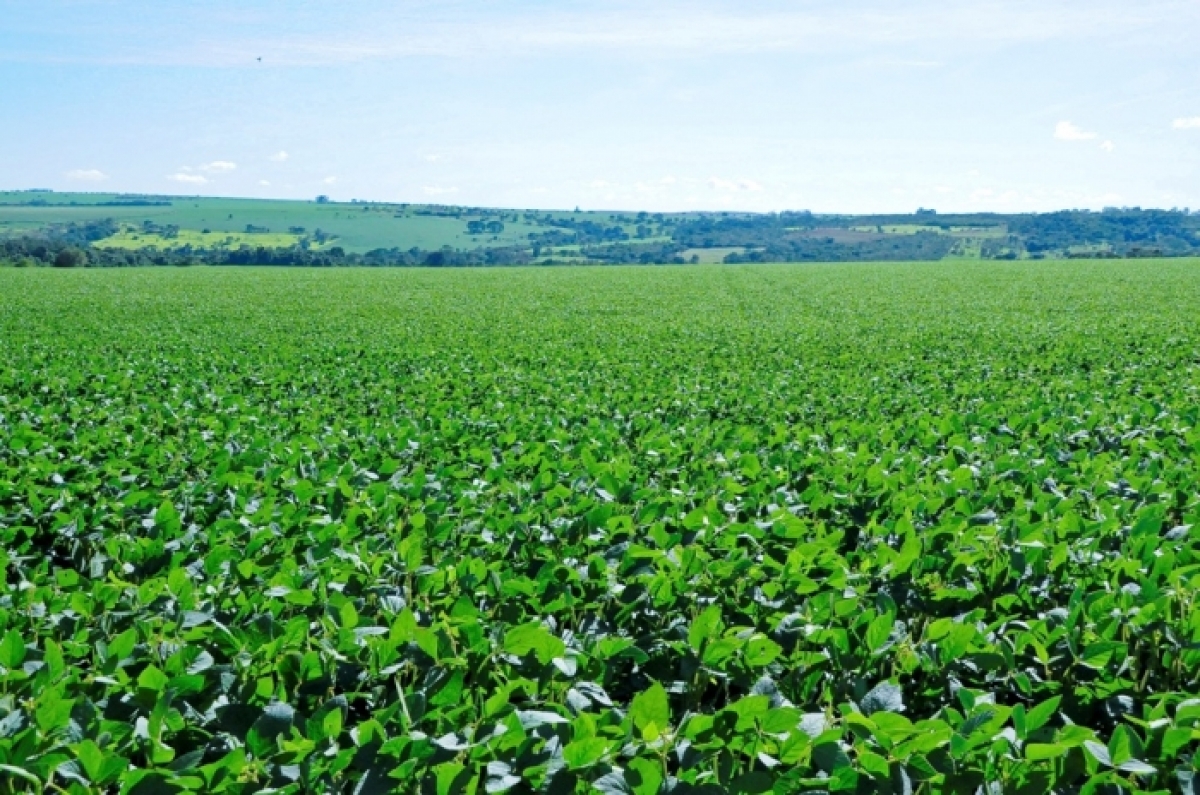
(666, 239)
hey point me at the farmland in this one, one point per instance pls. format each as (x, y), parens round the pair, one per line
(133, 230)
(862, 528)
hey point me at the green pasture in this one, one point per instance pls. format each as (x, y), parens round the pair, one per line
(357, 227)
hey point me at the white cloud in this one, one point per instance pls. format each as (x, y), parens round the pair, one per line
(433, 190)
(735, 185)
(264, 183)
(219, 167)
(279, 157)
(1108, 146)
(600, 184)
(190, 179)
(432, 158)
(1187, 124)
(1066, 131)
(87, 175)
(329, 180)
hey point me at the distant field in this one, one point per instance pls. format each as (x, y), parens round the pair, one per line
(409, 234)
(357, 227)
(133, 239)
(926, 528)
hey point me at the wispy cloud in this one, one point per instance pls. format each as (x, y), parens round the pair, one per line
(188, 179)
(434, 190)
(1187, 124)
(1066, 131)
(218, 167)
(329, 180)
(279, 157)
(1108, 146)
(735, 185)
(87, 175)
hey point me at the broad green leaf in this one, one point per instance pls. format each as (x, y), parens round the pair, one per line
(12, 650)
(535, 639)
(585, 753)
(1039, 716)
(651, 706)
(1036, 752)
(878, 632)
(761, 652)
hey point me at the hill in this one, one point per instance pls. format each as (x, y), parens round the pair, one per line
(124, 229)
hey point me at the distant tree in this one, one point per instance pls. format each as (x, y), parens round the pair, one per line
(322, 199)
(70, 258)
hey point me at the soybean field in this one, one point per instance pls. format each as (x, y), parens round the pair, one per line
(859, 528)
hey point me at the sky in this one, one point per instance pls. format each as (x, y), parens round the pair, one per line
(851, 106)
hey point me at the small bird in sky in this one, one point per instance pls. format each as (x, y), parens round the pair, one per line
(260, 59)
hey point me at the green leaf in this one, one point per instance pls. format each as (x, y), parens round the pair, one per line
(1036, 752)
(705, 627)
(1120, 745)
(720, 650)
(644, 776)
(1039, 716)
(1019, 721)
(448, 777)
(1098, 655)
(53, 658)
(153, 680)
(956, 643)
(910, 552)
(761, 651)
(53, 711)
(1175, 739)
(536, 639)
(874, 764)
(331, 724)
(167, 518)
(91, 758)
(584, 753)
(451, 693)
(651, 707)
(12, 650)
(879, 632)
(122, 646)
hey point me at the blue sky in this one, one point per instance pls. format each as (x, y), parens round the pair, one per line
(851, 106)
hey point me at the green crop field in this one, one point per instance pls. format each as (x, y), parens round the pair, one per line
(133, 238)
(919, 528)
